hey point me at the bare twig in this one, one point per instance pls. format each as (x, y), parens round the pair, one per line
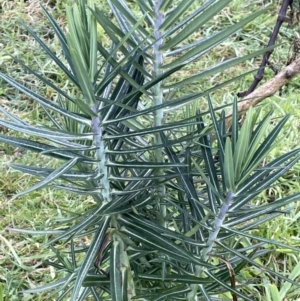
(282, 16)
(267, 89)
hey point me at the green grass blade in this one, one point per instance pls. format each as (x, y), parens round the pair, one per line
(286, 286)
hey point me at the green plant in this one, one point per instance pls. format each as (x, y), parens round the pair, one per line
(172, 199)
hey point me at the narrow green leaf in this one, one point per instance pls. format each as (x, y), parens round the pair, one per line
(106, 24)
(48, 150)
(50, 286)
(242, 144)
(235, 125)
(12, 117)
(131, 219)
(84, 107)
(143, 165)
(268, 180)
(229, 167)
(227, 287)
(223, 66)
(176, 102)
(45, 102)
(41, 132)
(61, 36)
(87, 220)
(50, 178)
(265, 147)
(195, 24)
(165, 5)
(205, 294)
(259, 133)
(179, 10)
(176, 278)
(1, 292)
(126, 294)
(78, 189)
(262, 172)
(161, 244)
(115, 272)
(211, 42)
(260, 239)
(90, 256)
(71, 175)
(35, 232)
(249, 214)
(94, 280)
(82, 75)
(92, 26)
(207, 180)
(52, 55)
(215, 124)
(126, 13)
(179, 25)
(185, 180)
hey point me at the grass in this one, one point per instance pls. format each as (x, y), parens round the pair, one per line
(21, 256)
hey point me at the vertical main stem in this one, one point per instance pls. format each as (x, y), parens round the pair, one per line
(213, 236)
(100, 153)
(158, 97)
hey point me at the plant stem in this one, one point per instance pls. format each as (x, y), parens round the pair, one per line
(102, 168)
(217, 225)
(158, 97)
(211, 240)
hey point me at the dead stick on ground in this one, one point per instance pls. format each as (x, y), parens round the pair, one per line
(267, 89)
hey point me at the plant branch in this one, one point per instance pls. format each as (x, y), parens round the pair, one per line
(158, 96)
(282, 16)
(267, 89)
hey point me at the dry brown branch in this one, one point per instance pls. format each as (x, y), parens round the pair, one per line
(267, 89)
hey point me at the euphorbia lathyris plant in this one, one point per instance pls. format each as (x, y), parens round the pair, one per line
(172, 197)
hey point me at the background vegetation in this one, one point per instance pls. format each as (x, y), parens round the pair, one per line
(21, 256)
